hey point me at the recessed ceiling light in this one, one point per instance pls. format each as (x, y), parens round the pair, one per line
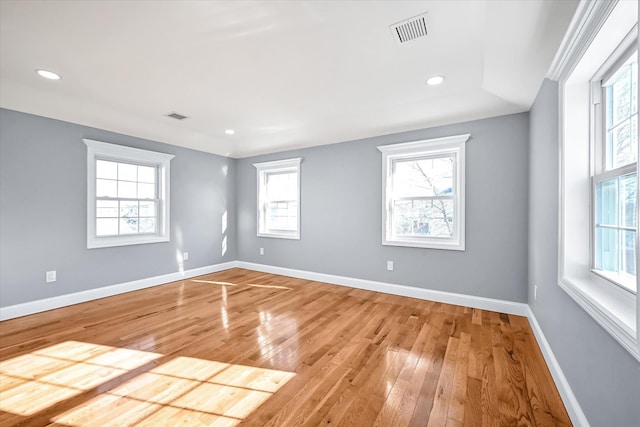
(229, 131)
(48, 74)
(435, 80)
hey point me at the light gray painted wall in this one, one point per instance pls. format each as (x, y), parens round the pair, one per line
(602, 374)
(341, 225)
(43, 202)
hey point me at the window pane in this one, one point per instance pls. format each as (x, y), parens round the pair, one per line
(146, 174)
(128, 209)
(106, 227)
(634, 138)
(282, 216)
(607, 249)
(424, 177)
(148, 209)
(127, 190)
(621, 106)
(105, 169)
(106, 188)
(424, 218)
(628, 200)
(607, 202)
(128, 225)
(621, 96)
(146, 191)
(629, 254)
(147, 225)
(622, 144)
(634, 84)
(282, 186)
(292, 216)
(127, 172)
(614, 245)
(107, 208)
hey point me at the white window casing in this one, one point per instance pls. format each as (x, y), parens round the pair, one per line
(394, 193)
(122, 155)
(278, 203)
(590, 51)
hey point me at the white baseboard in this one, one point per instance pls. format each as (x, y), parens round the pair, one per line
(502, 306)
(568, 398)
(19, 310)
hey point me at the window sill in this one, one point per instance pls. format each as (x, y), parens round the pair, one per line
(425, 244)
(625, 281)
(612, 307)
(108, 242)
(280, 236)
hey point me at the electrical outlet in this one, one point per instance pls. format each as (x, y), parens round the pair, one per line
(51, 276)
(261, 251)
(535, 292)
(185, 256)
(390, 265)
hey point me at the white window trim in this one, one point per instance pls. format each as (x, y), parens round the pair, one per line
(269, 167)
(447, 145)
(615, 309)
(104, 150)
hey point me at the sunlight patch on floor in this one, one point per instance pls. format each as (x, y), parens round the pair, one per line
(213, 282)
(253, 285)
(183, 390)
(35, 381)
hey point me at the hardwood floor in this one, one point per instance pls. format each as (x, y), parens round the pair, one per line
(240, 347)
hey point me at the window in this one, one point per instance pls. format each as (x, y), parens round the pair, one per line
(279, 198)
(598, 116)
(615, 179)
(423, 188)
(127, 195)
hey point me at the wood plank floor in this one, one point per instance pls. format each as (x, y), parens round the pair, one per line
(240, 347)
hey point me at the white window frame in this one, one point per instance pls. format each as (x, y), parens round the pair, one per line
(263, 170)
(450, 145)
(598, 30)
(97, 150)
(600, 172)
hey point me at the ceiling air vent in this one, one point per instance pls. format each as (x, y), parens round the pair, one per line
(177, 116)
(409, 29)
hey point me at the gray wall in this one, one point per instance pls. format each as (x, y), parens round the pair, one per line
(341, 225)
(602, 374)
(43, 204)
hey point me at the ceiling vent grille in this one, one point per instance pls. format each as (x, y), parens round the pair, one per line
(177, 116)
(409, 29)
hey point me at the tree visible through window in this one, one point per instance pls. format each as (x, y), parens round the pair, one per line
(423, 198)
(424, 193)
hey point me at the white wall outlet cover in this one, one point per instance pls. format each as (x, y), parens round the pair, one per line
(50, 276)
(390, 265)
(185, 256)
(261, 251)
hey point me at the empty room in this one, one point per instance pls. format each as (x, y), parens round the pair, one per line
(304, 213)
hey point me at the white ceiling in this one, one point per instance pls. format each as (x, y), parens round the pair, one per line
(283, 74)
